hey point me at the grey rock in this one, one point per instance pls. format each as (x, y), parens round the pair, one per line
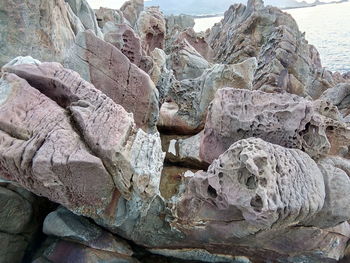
(132, 9)
(86, 15)
(64, 224)
(24, 32)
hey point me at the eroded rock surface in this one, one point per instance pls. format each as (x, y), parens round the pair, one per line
(286, 62)
(110, 71)
(131, 10)
(186, 105)
(284, 119)
(151, 27)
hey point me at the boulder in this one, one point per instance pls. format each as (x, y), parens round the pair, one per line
(24, 32)
(185, 109)
(131, 10)
(339, 96)
(186, 62)
(65, 225)
(336, 209)
(12, 247)
(66, 252)
(284, 119)
(105, 15)
(127, 41)
(286, 62)
(151, 27)
(183, 150)
(86, 15)
(118, 157)
(110, 71)
(178, 23)
(16, 212)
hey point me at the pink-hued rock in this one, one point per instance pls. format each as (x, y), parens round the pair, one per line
(151, 27)
(110, 71)
(283, 119)
(42, 151)
(131, 10)
(124, 38)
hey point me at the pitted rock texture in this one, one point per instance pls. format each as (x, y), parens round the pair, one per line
(284, 119)
(124, 38)
(256, 186)
(186, 105)
(286, 61)
(151, 27)
(186, 62)
(131, 10)
(339, 96)
(110, 71)
(25, 32)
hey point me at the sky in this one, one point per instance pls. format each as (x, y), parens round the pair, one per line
(116, 4)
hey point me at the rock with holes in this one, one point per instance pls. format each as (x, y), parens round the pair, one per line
(336, 209)
(187, 101)
(66, 225)
(124, 38)
(131, 10)
(151, 27)
(27, 29)
(284, 119)
(86, 15)
(286, 61)
(105, 15)
(255, 186)
(186, 62)
(339, 96)
(111, 71)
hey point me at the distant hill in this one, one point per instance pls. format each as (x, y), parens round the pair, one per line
(207, 7)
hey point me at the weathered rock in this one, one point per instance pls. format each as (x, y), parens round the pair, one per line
(151, 27)
(12, 247)
(67, 252)
(86, 15)
(336, 209)
(27, 29)
(283, 119)
(184, 151)
(16, 212)
(124, 38)
(255, 186)
(110, 71)
(196, 40)
(339, 96)
(161, 75)
(186, 62)
(286, 61)
(178, 23)
(132, 9)
(104, 15)
(186, 106)
(66, 225)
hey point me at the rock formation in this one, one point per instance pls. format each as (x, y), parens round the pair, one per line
(226, 146)
(286, 62)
